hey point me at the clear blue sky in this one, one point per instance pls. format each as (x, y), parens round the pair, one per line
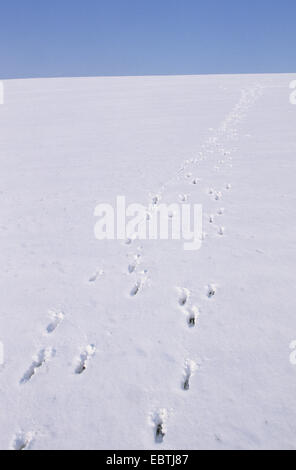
(44, 38)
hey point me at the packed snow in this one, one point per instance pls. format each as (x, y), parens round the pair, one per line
(140, 344)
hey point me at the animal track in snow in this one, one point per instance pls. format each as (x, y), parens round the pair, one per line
(44, 356)
(192, 316)
(141, 281)
(136, 289)
(160, 421)
(133, 265)
(221, 211)
(190, 369)
(85, 358)
(184, 295)
(212, 289)
(95, 276)
(131, 268)
(228, 187)
(22, 441)
(155, 199)
(57, 319)
(215, 144)
(221, 230)
(183, 197)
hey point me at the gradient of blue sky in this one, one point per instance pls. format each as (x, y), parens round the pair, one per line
(42, 38)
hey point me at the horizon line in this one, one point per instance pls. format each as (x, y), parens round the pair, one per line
(57, 77)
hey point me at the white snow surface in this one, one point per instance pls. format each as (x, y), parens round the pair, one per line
(87, 365)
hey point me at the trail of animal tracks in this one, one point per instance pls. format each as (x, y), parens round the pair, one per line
(140, 344)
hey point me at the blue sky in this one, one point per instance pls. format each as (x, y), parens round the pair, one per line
(46, 38)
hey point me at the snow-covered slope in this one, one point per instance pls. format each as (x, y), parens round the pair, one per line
(86, 364)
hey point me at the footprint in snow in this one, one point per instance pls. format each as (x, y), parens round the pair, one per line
(160, 422)
(96, 275)
(184, 295)
(84, 359)
(189, 370)
(155, 199)
(134, 264)
(38, 362)
(136, 289)
(57, 318)
(183, 197)
(221, 230)
(131, 268)
(211, 291)
(22, 441)
(192, 316)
